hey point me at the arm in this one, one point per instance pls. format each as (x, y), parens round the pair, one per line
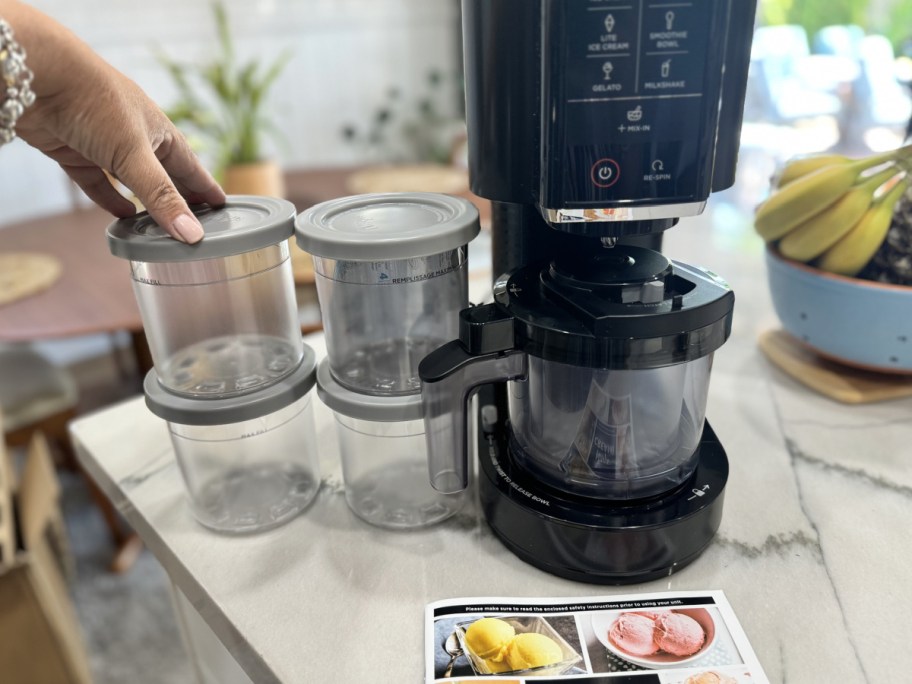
(89, 118)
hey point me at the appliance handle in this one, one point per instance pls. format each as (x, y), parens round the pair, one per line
(449, 376)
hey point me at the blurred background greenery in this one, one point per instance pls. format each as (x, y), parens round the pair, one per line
(891, 18)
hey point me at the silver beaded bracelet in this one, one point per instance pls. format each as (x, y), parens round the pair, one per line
(16, 81)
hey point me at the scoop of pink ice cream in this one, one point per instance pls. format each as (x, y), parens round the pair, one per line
(633, 633)
(678, 634)
(651, 614)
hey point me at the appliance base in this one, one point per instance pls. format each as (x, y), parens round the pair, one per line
(600, 542)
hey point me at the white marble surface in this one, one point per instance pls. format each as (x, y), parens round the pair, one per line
(813, 549)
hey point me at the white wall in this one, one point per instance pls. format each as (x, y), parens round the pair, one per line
(346, 56)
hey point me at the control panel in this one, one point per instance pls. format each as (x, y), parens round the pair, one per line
(631, 92)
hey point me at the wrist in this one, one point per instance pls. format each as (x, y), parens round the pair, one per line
(46, 43)
(16, 93)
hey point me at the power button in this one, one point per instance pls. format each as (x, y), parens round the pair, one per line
(605, 173)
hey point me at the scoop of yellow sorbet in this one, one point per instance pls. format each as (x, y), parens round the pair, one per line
(532, 650)
(488, 638)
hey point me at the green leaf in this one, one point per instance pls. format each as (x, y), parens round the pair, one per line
(272, 73)
(223, 30)
(234, 124)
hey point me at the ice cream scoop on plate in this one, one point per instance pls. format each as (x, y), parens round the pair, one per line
(678, 634)
(634, 633)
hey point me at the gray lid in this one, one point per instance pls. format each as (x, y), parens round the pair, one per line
(246, 223)
(189, 411)
(365, 406)
(396, 225)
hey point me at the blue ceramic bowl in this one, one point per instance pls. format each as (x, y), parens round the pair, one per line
(856, 322)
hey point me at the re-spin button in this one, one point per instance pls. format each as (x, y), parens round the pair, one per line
(605, 173)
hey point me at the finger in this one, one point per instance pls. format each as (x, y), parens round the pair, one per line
(96, 185)
(193, 197)
(189, 175)
(141, 171)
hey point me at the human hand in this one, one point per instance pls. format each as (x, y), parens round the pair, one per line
(89, 118)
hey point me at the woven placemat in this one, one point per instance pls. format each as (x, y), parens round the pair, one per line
(410, 178)
(26, 273)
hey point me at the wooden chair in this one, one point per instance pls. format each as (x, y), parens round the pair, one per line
(38, 396)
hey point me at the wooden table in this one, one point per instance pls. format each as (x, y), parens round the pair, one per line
(93, 294)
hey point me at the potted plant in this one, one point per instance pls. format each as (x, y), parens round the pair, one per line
(228, 112)
(418, 147)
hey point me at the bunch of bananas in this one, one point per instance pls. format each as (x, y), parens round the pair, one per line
(833, 210)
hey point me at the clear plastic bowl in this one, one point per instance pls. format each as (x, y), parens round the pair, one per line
(522, 624)
(613, 434)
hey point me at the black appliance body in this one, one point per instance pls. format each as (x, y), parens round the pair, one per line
(593, 126)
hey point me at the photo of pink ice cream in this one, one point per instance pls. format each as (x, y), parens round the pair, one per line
(654, 638)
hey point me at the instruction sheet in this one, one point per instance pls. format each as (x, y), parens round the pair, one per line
(686, 637)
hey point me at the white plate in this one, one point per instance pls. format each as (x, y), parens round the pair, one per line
(602, 622)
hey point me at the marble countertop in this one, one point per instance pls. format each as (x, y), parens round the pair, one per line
(812, 552)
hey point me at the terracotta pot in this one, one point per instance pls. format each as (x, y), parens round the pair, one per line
(258, 178)
(266, 179)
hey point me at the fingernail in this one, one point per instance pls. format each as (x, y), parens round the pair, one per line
(188, 228)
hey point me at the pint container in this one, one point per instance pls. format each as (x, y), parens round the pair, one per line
(384, 457)
(220, 316)
(249, 462)
(391, 275)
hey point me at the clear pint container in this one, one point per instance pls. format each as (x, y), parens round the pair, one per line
(220, 316)
(384, 457)
(249, 462)
(392, 276)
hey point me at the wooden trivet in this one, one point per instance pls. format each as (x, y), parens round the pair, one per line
(836, 381)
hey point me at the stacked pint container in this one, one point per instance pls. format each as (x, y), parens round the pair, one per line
(231, 375)
(391, 276)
